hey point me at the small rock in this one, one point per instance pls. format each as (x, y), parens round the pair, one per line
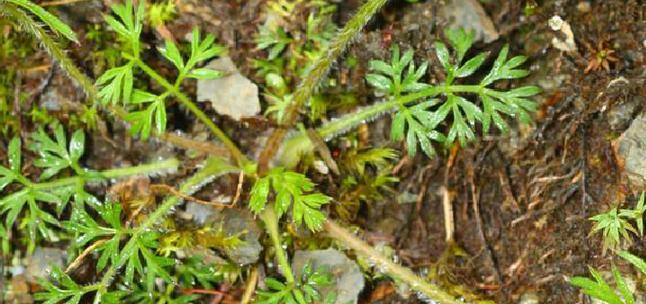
(565, 37)
(470, 15)
(233, 94)
(239, 222)
(529, 298)
(199, 212)
(41, 263)
(620, 115)
(348, 277)
(631, 150)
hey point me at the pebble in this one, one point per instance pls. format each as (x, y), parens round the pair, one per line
(631, 150)
(348, 277)
(233, 94)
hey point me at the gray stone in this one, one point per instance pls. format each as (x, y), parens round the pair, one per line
(41, 263)
(470, 15)
(529, 298)
(632, 152)
(233, 94)
(199, 212)
(348, 277)
(239, 222)
(620, 115)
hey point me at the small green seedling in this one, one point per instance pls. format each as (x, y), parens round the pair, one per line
(616, 227)
(303, 292)
(601, 290)
(290, 189)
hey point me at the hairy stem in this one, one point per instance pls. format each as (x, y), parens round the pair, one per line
(314, 76)
(165, 165)
(213, 168)
(32, 27)
(405, 275)
(240, 158)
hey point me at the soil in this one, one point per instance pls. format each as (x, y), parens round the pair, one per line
(521, 201)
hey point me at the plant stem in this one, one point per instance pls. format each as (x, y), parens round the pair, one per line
(31, 26)
(405, 275)
(313, 77)
(270, 219)
(240, 158)
(165, 165)
(214, 167)
(300, 144)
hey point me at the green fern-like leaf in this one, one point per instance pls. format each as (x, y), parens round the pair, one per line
(418, 118)
(291, 189)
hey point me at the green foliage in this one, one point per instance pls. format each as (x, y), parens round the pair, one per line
(67, 291)
(58, 155)
(638, 262)
(117, 83)
(274, 40)
(194, 272)
(291, 50)
(399, 76)
(14, 10)
(141, 247)
(204, 237)
(166, 296)
(303, 292)
(52, 21)
(358, 160)
(417, 123)
(55, 155)
(599, 288)
(616, 226)
(367, 175)
(291, 189)
(161, 13)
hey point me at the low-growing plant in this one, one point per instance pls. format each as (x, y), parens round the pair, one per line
(615, 226)
(18, 11)
(302, 292)
(138, 260)
(601, 290)
(421, 109)
(55, 155)
(147, 110)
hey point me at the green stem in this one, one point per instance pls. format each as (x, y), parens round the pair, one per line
(404, 275)
(270, 219)
(213, 169)
(31, 26)
(168, 164)
(316, 73)
(240, 158)
(300, 144)
(323, 63)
